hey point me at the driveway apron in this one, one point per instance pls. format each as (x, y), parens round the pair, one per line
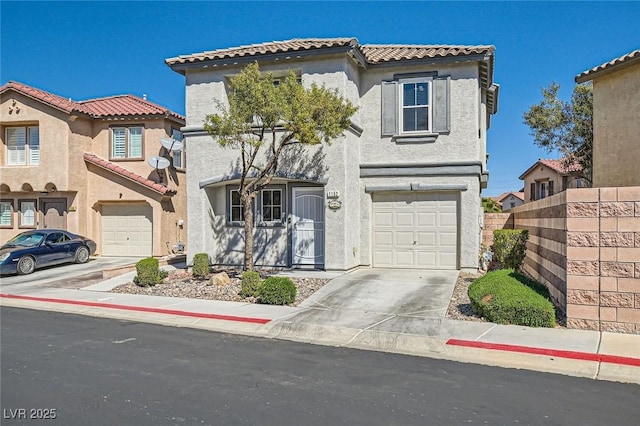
(387, 300)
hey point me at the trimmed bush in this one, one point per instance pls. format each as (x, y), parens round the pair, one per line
(510, 246)
(200, 265)
(148, 272)
(250, 283)
(277, 291)
(507, 297)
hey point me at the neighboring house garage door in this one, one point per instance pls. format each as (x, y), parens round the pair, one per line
(415, 230)
(127, 230)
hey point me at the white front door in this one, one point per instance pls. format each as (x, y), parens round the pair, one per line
(308, 226)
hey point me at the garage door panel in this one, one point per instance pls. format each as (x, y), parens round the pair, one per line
(383, 219)
(404, 238)
(426, 219)
(404, 219)
(127, 230)
(423, 232)
(404, 258)
(426, 258)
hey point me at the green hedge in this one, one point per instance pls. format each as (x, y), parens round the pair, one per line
(250, 283)
(200, 265)
(148, 272)
(510, 246)
(277, 291)
(507, 297)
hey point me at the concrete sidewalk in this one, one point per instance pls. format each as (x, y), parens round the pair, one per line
(362, 323)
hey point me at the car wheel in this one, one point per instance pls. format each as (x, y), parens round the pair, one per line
(82, 255)
(26, 265)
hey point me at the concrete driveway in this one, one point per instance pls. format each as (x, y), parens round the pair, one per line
(63, 275)
(385, 300)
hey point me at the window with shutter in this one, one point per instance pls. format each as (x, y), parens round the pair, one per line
(34, 145)
(23, 146)
(416, 107)
(6, 214)
(127, 142)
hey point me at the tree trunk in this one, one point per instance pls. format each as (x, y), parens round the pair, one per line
(248, 232)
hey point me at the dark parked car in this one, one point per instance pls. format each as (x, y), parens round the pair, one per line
(43, 247)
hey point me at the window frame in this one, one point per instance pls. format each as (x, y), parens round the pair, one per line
(28, 145)
(127, 142)
(401, 107)
(180, 154)
(544, 185)
(21, 214)
(257, 206)
(11, 214)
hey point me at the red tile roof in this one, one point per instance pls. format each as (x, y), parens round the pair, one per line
(112, 106)
(373, 54)
(560, 166)
(614, 64)
(504, 195)
(127, 174)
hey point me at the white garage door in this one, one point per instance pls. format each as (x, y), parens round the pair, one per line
(415, 230)
(127, 230)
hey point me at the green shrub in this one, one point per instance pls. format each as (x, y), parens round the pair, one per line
(510, 247)
(250, 283)
(148, 272)
(277, 291)
(507, 297)
(200, 265)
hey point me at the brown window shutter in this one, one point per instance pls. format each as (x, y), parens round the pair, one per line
(550, 188)
(533, 192)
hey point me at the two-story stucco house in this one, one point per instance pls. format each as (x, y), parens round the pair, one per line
(401, 188)
(83, 166)
(616, 120)
(547, 177)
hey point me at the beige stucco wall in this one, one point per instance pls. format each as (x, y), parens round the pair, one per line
(616, 128)
(63, 141)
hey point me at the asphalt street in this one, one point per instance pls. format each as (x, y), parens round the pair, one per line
(104, 372)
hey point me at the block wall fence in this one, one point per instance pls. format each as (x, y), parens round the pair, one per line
(584, 245)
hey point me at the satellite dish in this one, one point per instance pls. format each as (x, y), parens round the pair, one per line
(158, 162)
(171, 144)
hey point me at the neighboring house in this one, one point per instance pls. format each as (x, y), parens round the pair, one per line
(548, 177)
(509, 200)
(401, 188)
(83, 166)
(616, 120)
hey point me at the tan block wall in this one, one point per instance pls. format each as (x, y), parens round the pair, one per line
(616, 108)
(493, 221)
(584, 244)
(546, 260)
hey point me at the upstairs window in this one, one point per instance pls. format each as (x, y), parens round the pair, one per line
(415, 108)
(179, 156)
(126, 142)
(23, 146)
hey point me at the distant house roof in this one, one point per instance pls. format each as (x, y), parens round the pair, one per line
(108, 107)
(556, 165)
(127, 174)
(613, 65)
(504, 195)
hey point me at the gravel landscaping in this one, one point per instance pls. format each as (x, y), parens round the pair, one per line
(182, 284)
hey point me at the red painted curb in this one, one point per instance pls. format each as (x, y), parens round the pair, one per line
(139, 309)
(583, 356)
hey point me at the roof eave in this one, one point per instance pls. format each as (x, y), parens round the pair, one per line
(182, 67)
(590, 75)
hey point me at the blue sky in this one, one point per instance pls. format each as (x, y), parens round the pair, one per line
(90, 49)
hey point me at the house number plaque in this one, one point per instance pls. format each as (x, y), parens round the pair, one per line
(335, 204)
